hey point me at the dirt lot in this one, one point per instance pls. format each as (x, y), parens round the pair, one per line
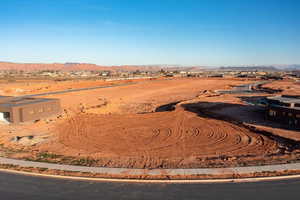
(144, 96)
(170, 139)
(126, 127)
(287, 86)
(24, 87)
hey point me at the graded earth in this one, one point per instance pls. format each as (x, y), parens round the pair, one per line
(162, 123)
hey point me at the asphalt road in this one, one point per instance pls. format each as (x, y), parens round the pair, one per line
(77, 90)
(15, 186)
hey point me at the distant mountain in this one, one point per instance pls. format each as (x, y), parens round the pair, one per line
(249, 68)
(288, 67)
(72, 66)
(261, 68)
(89, 67)
(53, 66)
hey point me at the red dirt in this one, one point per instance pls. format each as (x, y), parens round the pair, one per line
(106, 126)
(41, 86)
(289, 87)
(157, 138)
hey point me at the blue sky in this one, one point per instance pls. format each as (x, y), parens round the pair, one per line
(115, 32)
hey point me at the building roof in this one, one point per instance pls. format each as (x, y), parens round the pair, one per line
(5, 98)
(284, 101)
(21, 101)
(286, 98)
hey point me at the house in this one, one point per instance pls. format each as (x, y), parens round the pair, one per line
(23, 109)
(284, 109)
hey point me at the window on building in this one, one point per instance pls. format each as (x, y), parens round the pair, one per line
(6, 116)
(285, 104)
(272, 113)
(290, 114)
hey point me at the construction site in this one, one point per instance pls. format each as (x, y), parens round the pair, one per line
(159, 123)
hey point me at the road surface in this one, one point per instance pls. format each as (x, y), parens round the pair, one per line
(16, 186)
(76, 90)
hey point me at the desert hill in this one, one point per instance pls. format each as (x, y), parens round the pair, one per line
(87, 66)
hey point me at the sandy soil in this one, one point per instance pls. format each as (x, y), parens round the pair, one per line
(145, 96)
(176, 138)
(120, 127)
(287, 86)
(24, 87)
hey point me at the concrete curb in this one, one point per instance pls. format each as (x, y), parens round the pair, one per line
(154, 172)
(202, 181)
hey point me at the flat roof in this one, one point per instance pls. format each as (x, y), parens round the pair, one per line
(4, 97)
(21, 101)
(285, 99)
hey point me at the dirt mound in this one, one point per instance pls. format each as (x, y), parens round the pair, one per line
(169, 139)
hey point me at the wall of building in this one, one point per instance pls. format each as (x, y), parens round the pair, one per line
(286, 116)
(37, 111)
(22, 109)
(14, 115)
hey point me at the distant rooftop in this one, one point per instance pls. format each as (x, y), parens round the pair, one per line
(9, 101)
(285, 101)
(286, 98)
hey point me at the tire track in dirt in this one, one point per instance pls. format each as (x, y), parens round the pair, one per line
(153, 138)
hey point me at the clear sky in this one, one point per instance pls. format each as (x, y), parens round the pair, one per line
(115, 32)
